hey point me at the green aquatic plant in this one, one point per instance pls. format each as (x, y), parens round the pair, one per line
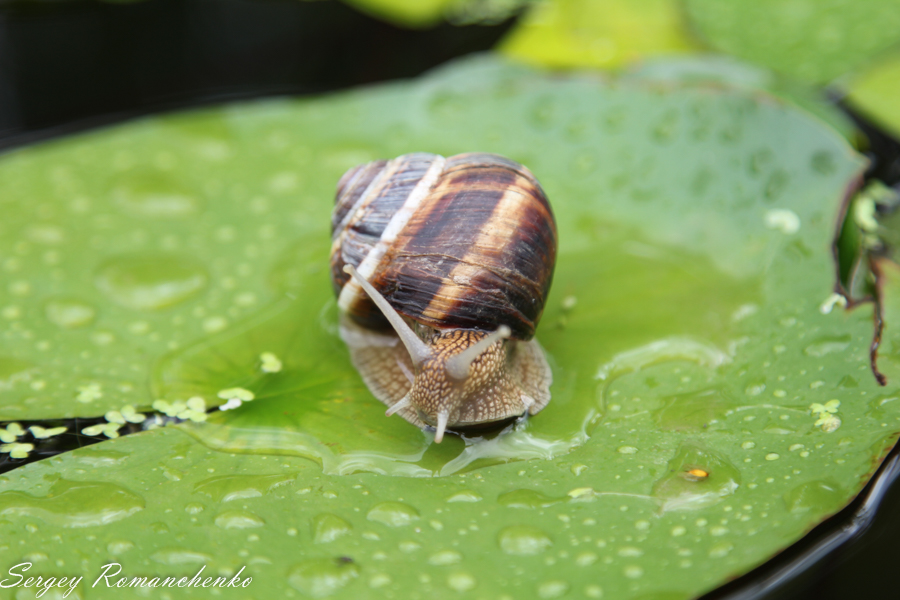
(706, 411)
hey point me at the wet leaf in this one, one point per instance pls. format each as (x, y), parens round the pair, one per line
(420, 14)
(875, 91)
(705, 412)
(812, 40)
(591, 33)
(406, 13)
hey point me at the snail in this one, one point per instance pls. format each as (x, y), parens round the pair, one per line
(441, 267)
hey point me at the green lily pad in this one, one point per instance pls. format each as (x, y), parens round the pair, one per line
(421, 14)
(406, 13)
(875, 91)
(725, 70)
(706, 413)
(812, 40)
(591, 33)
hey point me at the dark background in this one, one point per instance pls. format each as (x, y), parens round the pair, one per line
(70, 65)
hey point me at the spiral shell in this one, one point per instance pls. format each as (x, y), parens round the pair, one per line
(463, 242)
(462, 249)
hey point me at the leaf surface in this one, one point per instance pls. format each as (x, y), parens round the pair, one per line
(705, 412)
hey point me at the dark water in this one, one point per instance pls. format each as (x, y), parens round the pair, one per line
(72, 65)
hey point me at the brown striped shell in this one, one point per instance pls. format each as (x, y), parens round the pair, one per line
(459, 247)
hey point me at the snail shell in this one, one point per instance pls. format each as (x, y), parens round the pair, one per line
(442, 268)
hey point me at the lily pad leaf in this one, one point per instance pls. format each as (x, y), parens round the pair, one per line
(591, 33)
(705, 411)
(812, 41)
(875, 91)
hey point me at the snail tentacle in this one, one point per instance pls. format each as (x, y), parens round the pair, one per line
(458, 366)
(442, 419)
(401, 404)
(418, 349)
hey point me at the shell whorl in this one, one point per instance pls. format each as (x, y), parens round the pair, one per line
(464, 242)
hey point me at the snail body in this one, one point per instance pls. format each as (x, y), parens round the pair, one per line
(442, 268)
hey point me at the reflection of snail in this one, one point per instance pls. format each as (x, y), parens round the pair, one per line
(456, 255)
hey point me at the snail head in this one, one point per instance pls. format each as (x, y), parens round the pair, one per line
(459, 373)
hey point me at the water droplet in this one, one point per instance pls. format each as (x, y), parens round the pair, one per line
(776, 184)
(626, 450)
(464, 496)
(447, 104)
(225, 488)
(664, 129)
(633, 571)
(445, 558)
(675, 349)
(74, 504)
(461, 582)
(614, 119)
(327, 527)
(817, 495)
(46, 234)
(379, 580)
(822, 162)
(150, 281)
(179, 556)
(393, 514)
(13, 370)
(543, 113)
(171, 473)
(553, 589)
(848, 382)
(827, 345)
(878, 405)
(703, 178)
(322, 577)
(194, 508)
(155, 195)
(523, 540)
(238, 519)
(119, 547)
(680, 490)
(526, 498)
(696, 411)
(97, 457)
(69, 313)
